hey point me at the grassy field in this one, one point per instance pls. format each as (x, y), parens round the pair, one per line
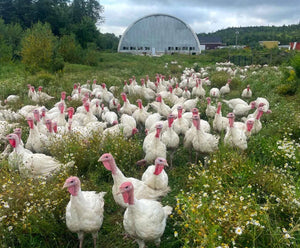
(238, 198)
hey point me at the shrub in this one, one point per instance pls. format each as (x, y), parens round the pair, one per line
(219, 79)
(86, 151)
(44, 78)
(295, 62)
(235, 83)
(5, 52)
(57, 63)
(38, 47)
(287, 89)
(91, 57)
(69, 49)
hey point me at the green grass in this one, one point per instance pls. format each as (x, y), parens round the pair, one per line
(256, 190)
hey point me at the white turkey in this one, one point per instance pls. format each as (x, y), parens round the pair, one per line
(128, 125)
(220, 123)
(262, 100)
(155, 176)
(225, 89)
(204, 124)
(171, 97)
(85, 210)
(12, 99)
(170, 138)
(180, 125)
(235, 137)
(95, 107)
(59, 117)
(247, 93)
(127, 107)
(255, 113)
(189, 104)
(113, 103)
(62, 100)
(233, 102)
(186, 93)
(106, 95)
(210, 110)
(257, 126)
(146, 92)
(144, 220)
(198, 90)
(160, 107)
(150, 84)
(203, 142)
(143, 191)
(39, 124)
(214, 93)
(34, 164)
(153, 146)
(109, 116)
(89, 117)
(42, 96)
(242, 110)
(152, 120)
(141, 114)
(36, 141)
(177, 91)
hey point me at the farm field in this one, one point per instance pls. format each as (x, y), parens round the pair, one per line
(228, 198)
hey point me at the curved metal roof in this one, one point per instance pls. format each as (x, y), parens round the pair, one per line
(161, 32)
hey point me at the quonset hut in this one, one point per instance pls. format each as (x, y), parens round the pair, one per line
(159, 34)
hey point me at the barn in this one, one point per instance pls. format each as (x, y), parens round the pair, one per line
(159, 34)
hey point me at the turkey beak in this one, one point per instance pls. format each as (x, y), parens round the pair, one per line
(65, 185)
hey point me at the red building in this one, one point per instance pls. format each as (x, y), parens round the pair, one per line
(294, 45)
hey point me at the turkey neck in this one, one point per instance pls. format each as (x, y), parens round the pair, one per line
(170, 121)
(158, 169)
(260, 113)
(129, 197)
(231, 121)
(179, 113)
(140, 105)
(117, 174)
(18, 148)
(157, 133)
(219, 109)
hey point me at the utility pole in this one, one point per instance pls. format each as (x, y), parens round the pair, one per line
(236, 37)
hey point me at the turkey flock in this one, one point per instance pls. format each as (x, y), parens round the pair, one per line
(169, 117)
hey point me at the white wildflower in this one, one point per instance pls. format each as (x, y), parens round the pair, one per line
(238, 231)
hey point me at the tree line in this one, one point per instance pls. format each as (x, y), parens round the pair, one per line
(250, 36)
(73, 21)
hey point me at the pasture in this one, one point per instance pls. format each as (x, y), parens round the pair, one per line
(228, 198)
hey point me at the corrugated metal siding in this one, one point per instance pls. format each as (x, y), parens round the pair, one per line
(162, 32)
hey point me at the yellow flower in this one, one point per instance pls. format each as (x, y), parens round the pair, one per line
(186, 225)
(179, 212)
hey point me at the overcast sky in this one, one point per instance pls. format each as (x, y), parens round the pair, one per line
(202, 16)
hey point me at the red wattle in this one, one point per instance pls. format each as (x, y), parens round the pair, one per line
(158, 169)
